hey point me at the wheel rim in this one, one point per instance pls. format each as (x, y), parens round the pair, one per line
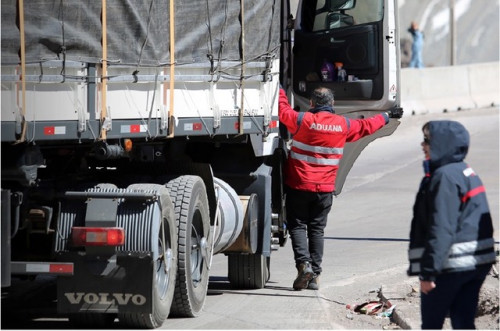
(164, 261)
(197, 246)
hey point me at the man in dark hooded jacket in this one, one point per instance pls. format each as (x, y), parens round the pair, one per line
(451, 238)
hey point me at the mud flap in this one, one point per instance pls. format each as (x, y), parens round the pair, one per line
(106, 287)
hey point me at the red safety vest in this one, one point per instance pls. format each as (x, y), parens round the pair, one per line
(316, 150)
(318, 144)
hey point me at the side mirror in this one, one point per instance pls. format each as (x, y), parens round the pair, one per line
(338, 20)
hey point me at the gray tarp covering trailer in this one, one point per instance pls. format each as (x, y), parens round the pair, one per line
(138, 32)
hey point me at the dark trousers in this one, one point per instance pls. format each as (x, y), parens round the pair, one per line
(306, 214)
(456, 293)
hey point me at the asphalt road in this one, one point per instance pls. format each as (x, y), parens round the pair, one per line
(366, 238)
(366, 241)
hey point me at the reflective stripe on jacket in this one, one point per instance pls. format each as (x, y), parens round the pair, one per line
(462, 256)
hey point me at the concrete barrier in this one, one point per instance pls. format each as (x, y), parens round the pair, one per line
(441, 89)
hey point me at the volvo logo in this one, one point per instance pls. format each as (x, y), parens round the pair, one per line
(119, 299)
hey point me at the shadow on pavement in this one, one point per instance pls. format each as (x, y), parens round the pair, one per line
(367, 239)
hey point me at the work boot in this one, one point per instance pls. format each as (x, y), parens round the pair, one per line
(314, 283)
(303, 277)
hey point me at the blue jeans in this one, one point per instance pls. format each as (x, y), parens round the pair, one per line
(306, 214)
(456, 293)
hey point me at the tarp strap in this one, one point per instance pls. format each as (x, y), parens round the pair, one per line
(23, 73)
(104, 70)
(242, 76)
(172, 72)
(216, 71)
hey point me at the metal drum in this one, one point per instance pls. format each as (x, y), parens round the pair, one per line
(230, 216)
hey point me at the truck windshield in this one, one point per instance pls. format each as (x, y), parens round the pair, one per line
(329, 15)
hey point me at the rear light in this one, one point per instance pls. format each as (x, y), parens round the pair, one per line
(83, 236)
(128, 145)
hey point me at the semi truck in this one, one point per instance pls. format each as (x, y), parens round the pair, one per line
(141, 138)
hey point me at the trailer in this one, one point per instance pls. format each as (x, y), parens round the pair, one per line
(141, 138)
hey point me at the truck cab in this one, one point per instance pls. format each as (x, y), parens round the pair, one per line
(360, 37)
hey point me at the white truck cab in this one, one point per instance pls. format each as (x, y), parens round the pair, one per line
(357, 38)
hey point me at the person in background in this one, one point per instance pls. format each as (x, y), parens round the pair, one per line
(451, 238)
(416, 47)
(318, 139)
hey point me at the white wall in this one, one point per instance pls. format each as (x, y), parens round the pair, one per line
(440, 89)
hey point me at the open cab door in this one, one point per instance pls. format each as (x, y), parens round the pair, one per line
(360, 36)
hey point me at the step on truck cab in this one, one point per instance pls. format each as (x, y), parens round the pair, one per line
(141, 138)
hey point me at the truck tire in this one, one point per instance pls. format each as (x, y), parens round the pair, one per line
(248, 271)
(193, 219)
(163, 245)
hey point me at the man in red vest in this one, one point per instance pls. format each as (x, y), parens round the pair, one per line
(318, 139)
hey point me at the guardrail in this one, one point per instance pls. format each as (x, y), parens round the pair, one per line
(442, 89)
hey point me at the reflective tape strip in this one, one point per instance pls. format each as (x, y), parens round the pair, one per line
(471, 246)
(469, 172)
(415, 267)
(312, 159)
(470, 260)
(318, 149)
(33, 267)
(133, 128)
(63, 268)
(415, 253)
(54, 130)
(467, 247)
(462, 262)
(193, 126)
(472, 193)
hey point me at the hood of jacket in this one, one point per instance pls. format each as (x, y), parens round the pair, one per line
(449, 143)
